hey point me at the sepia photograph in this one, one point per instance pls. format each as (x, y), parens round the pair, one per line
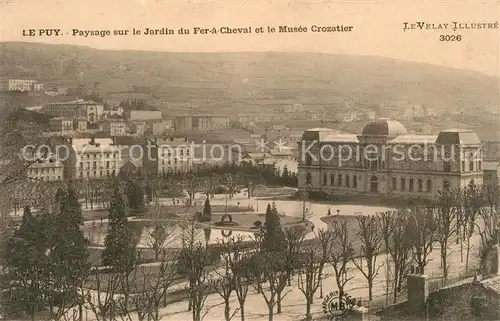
(249, 160)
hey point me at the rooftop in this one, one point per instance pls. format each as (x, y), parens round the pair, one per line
(75, 102)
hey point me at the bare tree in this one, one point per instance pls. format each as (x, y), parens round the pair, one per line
(236, 259)
(303, 209)
(342, 253)
(209, 184)
(193, 260)
(224, 285)
(269, 274)
(471, 203)
(294, 237)
(422, 229)
(100, 294)
(192, 186)
(231, 182)
(370, 236)
(311, 264)
(396, 237)
(445, 217)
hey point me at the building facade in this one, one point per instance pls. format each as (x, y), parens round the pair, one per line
(167, 155)
(201, 122)
(11, 84)
(92, 158)
(385, 160)
(143, 115)
(91, 111)
(47, 168)
(113, 127)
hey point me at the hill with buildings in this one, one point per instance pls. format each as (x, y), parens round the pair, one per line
(262, 82)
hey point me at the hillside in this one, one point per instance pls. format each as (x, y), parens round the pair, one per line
(240, 82)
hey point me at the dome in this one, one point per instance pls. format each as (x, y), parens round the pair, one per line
(384, 127)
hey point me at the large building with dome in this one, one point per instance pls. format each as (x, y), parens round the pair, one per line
(386, 160)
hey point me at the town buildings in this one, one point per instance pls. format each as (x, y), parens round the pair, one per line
(134, 115)
(68, 125)
(91, 158)
(167, 155)
(24, 85)
(48, 168)
(113, 127)
(201, 122)
(92, 111)
(385, 160)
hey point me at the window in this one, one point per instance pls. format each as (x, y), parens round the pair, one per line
(394, 184)
(339, 180)
(446, 185)
(308, 160)
(411, 185)
(325, 179)
(347, 181)
(332, 179)
(403, 187)
(463, 166)
(446, 166)
(471, 165)
(308, 178)
(479, 165)
(420, 186)
(429, 186)
(355, 181)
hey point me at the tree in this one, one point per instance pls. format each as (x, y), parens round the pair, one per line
(69, 256)
(192, 186)
(445, 217)
(302, 210)
(312, 262)
(27, 261)
(207, 211)
(342, 253)
(370, 236)
(294, 237)
(135, 197)
(396, 237)
(274, 238)
(193, 261)
(422, 229)
(472, 202)
(269, 278)
(119, 252)
(232, 249)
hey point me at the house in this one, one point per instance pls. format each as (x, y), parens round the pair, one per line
(491, 172)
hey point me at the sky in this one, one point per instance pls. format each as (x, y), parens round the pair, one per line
(377, 27)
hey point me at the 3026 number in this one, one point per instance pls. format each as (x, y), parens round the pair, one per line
(450, 38)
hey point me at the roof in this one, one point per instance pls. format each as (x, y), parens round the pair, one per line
(257, 155)
(342, 138)
(458, 137)
(384, 127)
(75, 102)
(84, 144)
(419, 139)
(317, 134)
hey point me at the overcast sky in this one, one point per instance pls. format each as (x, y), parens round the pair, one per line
(378, 27)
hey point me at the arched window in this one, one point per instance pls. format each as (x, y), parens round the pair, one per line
(429, 186)
(325, 179)
(355, 181)
(403, 184)
(347, 181)
(420, 185)
(446, 185)
(332, 179)
(308, 178)
(339, 180)
(411, 184)
(374, 184)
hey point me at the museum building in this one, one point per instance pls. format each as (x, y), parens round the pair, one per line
(385, 160)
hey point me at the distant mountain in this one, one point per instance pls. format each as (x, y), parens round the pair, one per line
(241, 82)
